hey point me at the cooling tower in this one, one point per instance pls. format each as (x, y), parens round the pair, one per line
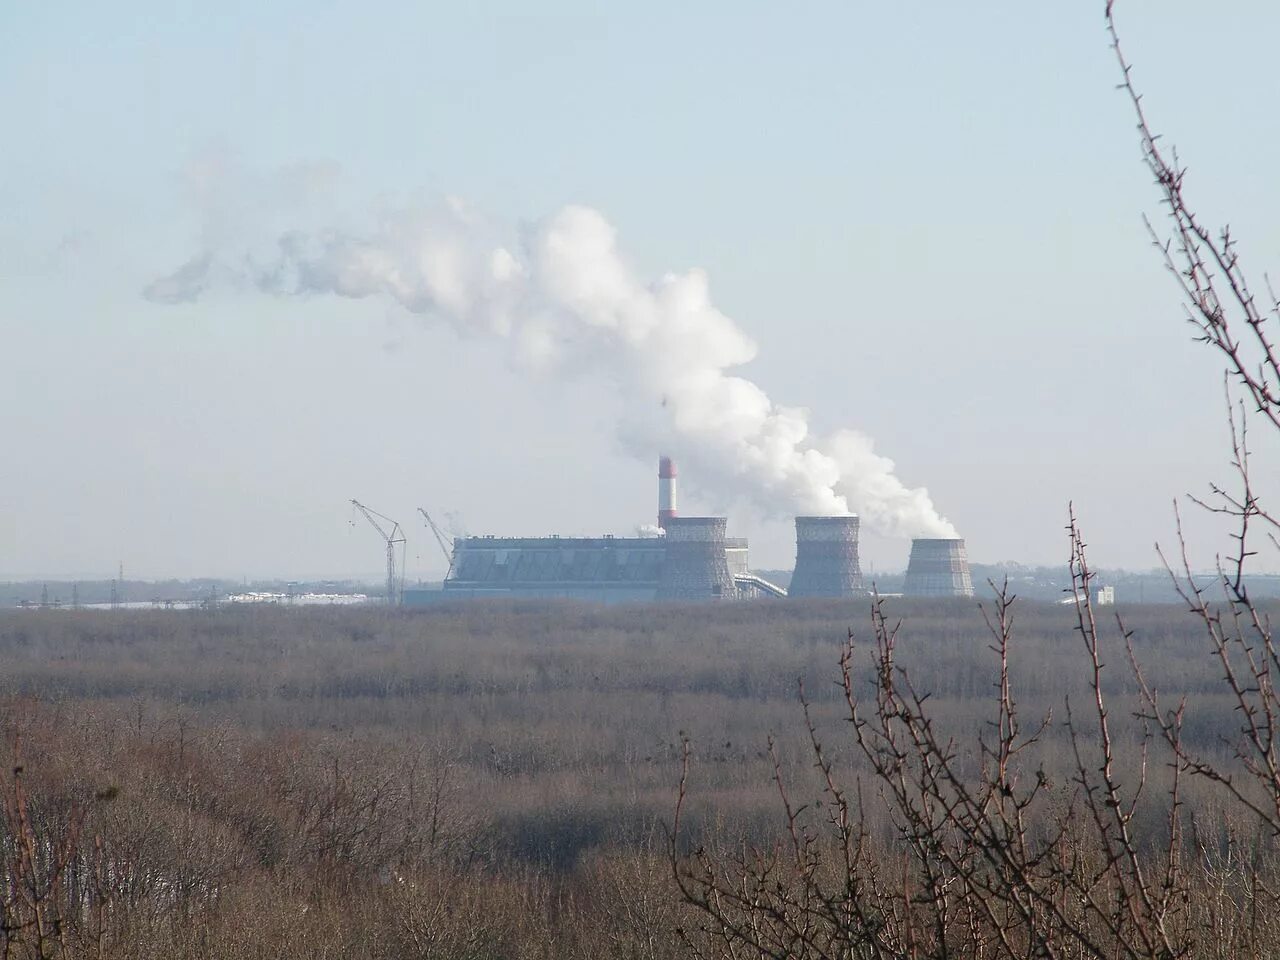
(826, 558)
(695, 567)
(938, 568)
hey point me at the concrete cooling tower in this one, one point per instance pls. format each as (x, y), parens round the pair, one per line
(695, 566)
(938, 568)
(826, 558)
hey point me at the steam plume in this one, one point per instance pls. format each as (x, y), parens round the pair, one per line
(565, 301)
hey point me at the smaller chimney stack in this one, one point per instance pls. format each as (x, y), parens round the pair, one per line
(666, 491)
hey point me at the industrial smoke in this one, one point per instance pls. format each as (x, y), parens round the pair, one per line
(564, 299)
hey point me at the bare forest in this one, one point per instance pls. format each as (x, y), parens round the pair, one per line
(482, 780)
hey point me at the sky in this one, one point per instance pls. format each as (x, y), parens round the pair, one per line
(927, 217)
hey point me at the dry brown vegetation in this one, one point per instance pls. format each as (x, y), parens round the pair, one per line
(485, 780)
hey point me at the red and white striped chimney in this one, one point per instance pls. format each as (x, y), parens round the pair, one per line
(666, 490)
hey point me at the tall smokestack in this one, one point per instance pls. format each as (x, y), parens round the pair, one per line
(938, 568)
(695, 566)
(826, 558)
(666, 491)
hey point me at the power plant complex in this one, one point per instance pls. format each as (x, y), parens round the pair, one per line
(687, 558)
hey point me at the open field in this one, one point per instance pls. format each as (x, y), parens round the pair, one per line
(477, 780)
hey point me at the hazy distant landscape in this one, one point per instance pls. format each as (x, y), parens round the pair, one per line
(873, 292)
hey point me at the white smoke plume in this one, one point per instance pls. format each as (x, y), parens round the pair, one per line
(564, 299)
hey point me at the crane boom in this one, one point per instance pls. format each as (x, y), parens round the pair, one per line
(392, 536)
(440, 539)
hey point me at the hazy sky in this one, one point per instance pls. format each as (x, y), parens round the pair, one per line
(927, 216)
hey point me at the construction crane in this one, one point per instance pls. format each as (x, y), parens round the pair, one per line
(392, 537)
(440, 539)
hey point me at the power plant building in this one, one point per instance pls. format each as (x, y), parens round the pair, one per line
(687, 559)
(692, 559)
(604, 569)
(597, 569)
